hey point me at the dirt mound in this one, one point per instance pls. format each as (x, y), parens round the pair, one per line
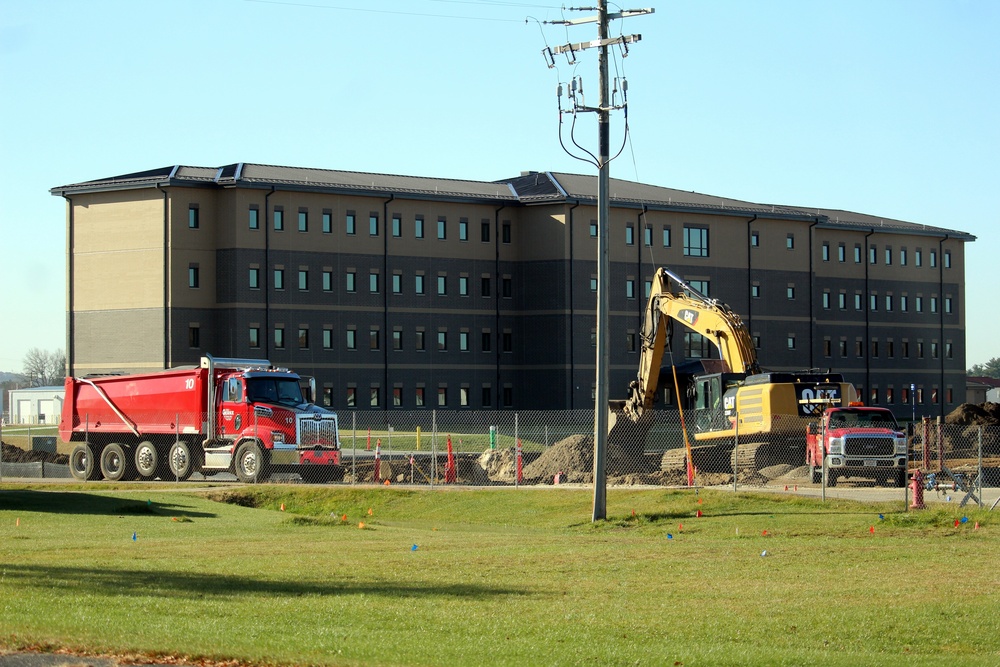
(980, 414)
(12, 454)
(569, 455)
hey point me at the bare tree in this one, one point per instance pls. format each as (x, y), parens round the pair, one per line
(57, 368)
(43, 367)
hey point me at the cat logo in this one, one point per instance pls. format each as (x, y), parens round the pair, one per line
(688, 316)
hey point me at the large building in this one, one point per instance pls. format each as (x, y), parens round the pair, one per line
(403, 292)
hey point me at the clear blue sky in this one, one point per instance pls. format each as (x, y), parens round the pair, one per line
(887, 107)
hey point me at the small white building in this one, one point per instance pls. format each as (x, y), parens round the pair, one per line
(35, 405)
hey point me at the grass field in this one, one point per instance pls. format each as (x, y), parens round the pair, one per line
(502, 576)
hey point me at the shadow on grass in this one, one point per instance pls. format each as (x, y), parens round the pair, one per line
(59, 502)
(195, 585)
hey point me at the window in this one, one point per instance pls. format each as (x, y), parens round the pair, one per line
(279, 337)
(352, 281)
(755, 291)
(254, 337)
(593, 283)
(947, 263)
(484, 285)
(918, 257)
(859, 349)
(463, 229)
(903, 303)
(442, 228)
(327, 221)
(843, 347)
(193, 276)
(419, 342)
(327, 280)
(857, 254)
(593, 229)
(647, 287)
(873, 302)
(194, 336)
(841, 253)
(352, 397)
(697, 346)
(933, 258)
(463, 286)
(442, 285)
(303, 220)
(397, 397)
(507, 287)
(630, 288)
(890, 349)
(629, 234)
(888, 256)
(418, 397)
(486, 341)
(666, 236)
(920, 349)
(397, 226)
(350, 223)
(949, 350)
(947, 304)
(827, 347)
(418, 284)
(695, 242)
(418, 227)
(754, 239)
(790, 292)
(463, 396)
(442, 396)
(374, 342)
(902, 256)
(487, 396)
(888, 303)
(701, 285)
(842, 301)
(791, 342)
(507, 341)
(919, 304)
(279, 219)
(826, 251)
(303, 280)
(933, 304)
(253, 219)
(193, 219)
(630, 341)
(505, 231)
(508, 396)
(397, 283)
(857, 301)
(484, 231)
(826, 301)
(442, 338)
(373, 224)
(373, 282)
(905, 349)
(934, 350)
(463, 341)
(279, 279)
(790, 242)
(375, 398)
(352, 339)
(874, 352)
(303, 339)
(397, 339)
(647, 236)
(254, 278)
(888, 395)
(327, 339)
(872, 252)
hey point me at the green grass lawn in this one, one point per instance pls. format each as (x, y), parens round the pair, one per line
(501, 576)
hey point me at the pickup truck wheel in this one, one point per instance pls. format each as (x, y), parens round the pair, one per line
(815, 474)
(249, 463)
(82, 463)
(180, 460)
(147, 462)
(116, 465)
(831, 478)
(901, 478)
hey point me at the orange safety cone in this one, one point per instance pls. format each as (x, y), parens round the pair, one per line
(368, 444)
(450, 475)
(977, 526)
(698, 513)
(17, 522)
(520, 462)
(361, 524)
(282, 507)
(343, 518)
(386, 482)
(370, 512)
(680, 528)
(377, 476)
(871, 529)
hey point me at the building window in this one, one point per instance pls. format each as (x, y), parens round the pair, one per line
(947, 304)
(397, 339)
(374, 342)
(253, 219)
(507, 285)
(859, 348)
(418, 227)
(890, 349)
(933, 258)
(790, 292)
(872, 252)
(397, 283)
(593, 229)
(397, 226)
(947, 265)
(463, 286)
(487, 341)
(857, 253)
(629, 234)
(463, 341)
(841, 252)
(905, 349)
(463, 397)
(193, 276)
(827, 347)
(934, 350)
(487, 396)
(695, 242)
(857, 301)
(791, 342)
(843, 347)
(842, 301)
(397, 397)
(442, 228)
(303, 220)
(790, 242)
(442, 338)
(193, 219)
(442, 285)
(279, 337)
(873, 302)
(630, 341)
(352, 339)
(902, 256)
(350, 223)
(352, 397)
(507, 340)
(279, 219)
(949, 351)
(919, 304)
(484, 286)
(254, 337)
(508, 396)
(254, 278)
(484, 231)
(327, 280)
(463, 229)
(505, 232)
(666, 236)
(303, 339)
(327, 339)
(920, 349)
(696, 346)
(194, 336)
(755, 291)
(754, 239)
(374, 396)
(418, 397)
(303, 280)
(593, 283)
(888, 255)
(630, 288)
(826, 251)
(442, 396)
(903, 303)
(327, 221)
(933, 304)
(826, 301)
(647, 288)
(352, 281)
(279, 279)
(418, 283)
(888, 395)
(874, 349)
(373, 282)
(647, 236)
(373, 224)
(419, 342)
(918, 257)
(888, 303)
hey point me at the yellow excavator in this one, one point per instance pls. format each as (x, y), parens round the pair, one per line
(725, 401)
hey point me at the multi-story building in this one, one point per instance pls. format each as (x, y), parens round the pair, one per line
(413, 292)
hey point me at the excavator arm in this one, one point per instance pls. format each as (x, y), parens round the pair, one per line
(708, 317)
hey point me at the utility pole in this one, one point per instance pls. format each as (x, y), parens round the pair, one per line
(603, 110)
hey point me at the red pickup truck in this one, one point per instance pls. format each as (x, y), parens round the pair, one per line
(857, 442)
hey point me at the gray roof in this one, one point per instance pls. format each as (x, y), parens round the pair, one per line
(530, 188)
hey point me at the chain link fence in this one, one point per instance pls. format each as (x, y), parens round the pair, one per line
(530, 448)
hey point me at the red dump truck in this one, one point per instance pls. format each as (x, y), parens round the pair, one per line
(242, 416)
(857, 442)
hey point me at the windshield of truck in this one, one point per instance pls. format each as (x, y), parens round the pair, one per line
(865, 419)
(285, 391)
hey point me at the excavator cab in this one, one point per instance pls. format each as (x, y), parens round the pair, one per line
(712, 401)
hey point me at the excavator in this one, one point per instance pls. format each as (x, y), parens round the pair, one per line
(722, 401)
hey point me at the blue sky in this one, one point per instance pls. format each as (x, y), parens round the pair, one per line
(887, 107)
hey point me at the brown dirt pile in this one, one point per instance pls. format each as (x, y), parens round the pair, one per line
(569, 455)
(979, 414)
(12, 454)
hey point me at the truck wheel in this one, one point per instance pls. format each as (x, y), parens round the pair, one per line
(831, 478)
(81, 463)
(901, 478)
(180, 460)
(116, 465)
(815, 474)
(249, 463)
(147, 462)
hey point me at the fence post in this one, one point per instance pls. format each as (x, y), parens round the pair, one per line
(736, 451)
(517, 448)
(434, 444)
(979, 477)
(1, 450)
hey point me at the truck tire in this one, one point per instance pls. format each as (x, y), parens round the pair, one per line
(901, 478)
(249, 463)
(180, 460)
(116, 465)
(147, 461)
(831, 478)
(815, 474)
(82, 463)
